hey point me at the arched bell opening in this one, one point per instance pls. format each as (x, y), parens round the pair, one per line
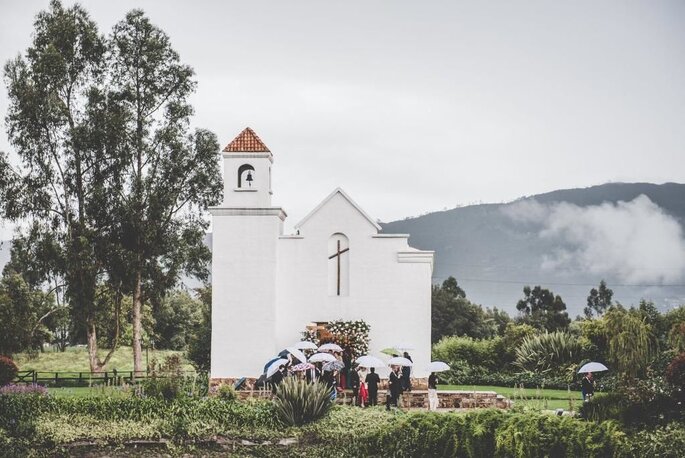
(246, 176)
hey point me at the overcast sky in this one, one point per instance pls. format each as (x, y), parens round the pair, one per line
(417, 106)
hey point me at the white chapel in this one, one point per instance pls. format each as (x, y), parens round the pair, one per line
(268, 286)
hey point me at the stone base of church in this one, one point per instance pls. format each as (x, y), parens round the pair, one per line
(417, 398)
(249, 383)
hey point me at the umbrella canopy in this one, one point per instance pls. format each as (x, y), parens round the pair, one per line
(297, 354)
(305, 345)
(302, 367)
(437, 366)
(333, 366)
(275, 366)
(321, 357)
(330, 347)
(399, 361)
(403, 347)
(266, 366)
(391, 351)
(369, 361)
(593, 367)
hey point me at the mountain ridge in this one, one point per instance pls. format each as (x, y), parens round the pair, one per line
(493, 255)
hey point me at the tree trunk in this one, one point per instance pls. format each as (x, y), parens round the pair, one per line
(137, 331)
(92, 345)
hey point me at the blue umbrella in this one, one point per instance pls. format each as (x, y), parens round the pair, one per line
(592, 367)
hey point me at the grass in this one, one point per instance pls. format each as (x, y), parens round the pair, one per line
(75, 359)
(83, 392)
(546, 399)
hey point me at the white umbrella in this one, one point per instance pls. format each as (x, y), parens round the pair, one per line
(297, 354)
(437, 366)
(305, 345)
(275, 366)
(330, 347)
(593, 367)
(399, 361)
(369, 361)
(320, 357)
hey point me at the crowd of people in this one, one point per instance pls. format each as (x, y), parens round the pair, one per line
(343, 373)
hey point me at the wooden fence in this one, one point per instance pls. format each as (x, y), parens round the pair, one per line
(75, 379)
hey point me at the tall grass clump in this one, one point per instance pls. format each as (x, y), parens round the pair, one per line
(298, 402)
(546, 352)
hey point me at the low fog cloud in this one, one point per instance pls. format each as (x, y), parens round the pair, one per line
(631, 242)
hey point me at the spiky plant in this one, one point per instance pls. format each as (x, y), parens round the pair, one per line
(545, 352)
(298, 402)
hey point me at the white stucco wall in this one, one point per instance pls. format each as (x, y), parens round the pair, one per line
(267, 287)
(257, 195)
(243, 290)
(393, 296)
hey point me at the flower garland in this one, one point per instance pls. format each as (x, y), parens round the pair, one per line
(351, 335)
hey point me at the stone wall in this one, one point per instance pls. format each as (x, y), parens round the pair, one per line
(414, 399)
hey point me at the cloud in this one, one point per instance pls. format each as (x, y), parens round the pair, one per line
(634, 242)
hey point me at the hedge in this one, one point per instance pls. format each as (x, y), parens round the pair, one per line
(40, 425)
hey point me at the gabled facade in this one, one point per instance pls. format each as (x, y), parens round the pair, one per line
(268, 286)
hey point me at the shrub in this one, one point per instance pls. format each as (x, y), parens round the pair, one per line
(227, 393)
(8, 370)
(461, 375)
(475, 353)
(644, 402)
(530, 435)
(549, 351)
(666, 441)
(675, 373)
(24, 389)
(298, 402)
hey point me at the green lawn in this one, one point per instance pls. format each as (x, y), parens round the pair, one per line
(546, 399)
(83, 392)
(75, 359)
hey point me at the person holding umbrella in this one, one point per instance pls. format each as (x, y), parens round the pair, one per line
(372, 380)
(587, 387)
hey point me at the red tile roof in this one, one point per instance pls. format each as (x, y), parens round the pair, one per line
(246, 141)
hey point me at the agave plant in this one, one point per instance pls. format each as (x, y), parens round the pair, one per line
(298, 402)
(545, 352)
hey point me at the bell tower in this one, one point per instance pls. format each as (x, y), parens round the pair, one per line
(247, 172)
(245, 231)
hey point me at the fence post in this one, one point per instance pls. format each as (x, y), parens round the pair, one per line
(35, 377)
(106, 378)
(56, 378)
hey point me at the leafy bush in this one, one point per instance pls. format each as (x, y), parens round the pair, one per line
(547, 435)
(549, 351)
(298, 402)
(460, 376)
(166, 381)
(475, 353)
(227, 393)
(675, 373)
(643, 403)
(8, 370)
(666, 441)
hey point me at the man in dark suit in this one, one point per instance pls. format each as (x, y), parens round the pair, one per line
(395, 388)
(372, 380)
